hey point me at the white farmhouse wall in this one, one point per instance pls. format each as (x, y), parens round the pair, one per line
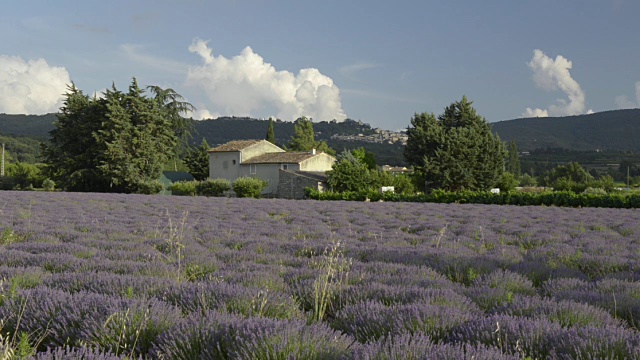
(225, 165)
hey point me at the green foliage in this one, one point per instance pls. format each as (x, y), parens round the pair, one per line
(20, 148)
(366, 157)
(197, 161)
(249, 187)
(209, 187)
(213, 187)
(528, 180)
(456, 150)
(8, 182)
(48, 184)
(150, 187)
(573, 177)
(507, 181)
(25, 174)
(184, 188)
(549, 198)
(303, 138)
(271, 136)
(513, 162)
(115, 143)
(605, 182)
(348, 173)
(403, 185)
(566, 175)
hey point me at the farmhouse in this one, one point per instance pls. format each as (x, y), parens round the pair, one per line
(286, 173)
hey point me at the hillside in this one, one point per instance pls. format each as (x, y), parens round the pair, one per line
(33, 126)
(21, 132)
(616, 131)
(609, 130)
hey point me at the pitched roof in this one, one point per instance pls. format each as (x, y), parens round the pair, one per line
(280, 158)
(236, 145)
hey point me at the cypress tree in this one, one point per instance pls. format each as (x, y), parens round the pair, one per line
(271, 137)
(513, 165)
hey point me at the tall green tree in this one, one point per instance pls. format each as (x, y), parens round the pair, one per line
(455, 151)
(513, 163)
(197, 160)
(118, 143)
(303, 138)
(139, 139)
(73, 154)
(271, 136)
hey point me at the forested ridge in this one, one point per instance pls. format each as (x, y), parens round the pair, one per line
(616, 130)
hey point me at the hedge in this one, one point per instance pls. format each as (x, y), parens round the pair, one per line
(556, 198)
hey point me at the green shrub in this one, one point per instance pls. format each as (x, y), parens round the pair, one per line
(48, 184)
(149, 187)
(507, 181)
(8, 182)
(184, 188)
(213, 187)
(548, 198)
(527, 180)
(249, 187)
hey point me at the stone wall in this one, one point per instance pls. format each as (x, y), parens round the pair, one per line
(292, 185)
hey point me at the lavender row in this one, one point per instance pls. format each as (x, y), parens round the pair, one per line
(428, 278)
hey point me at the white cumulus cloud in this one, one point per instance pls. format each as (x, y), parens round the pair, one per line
(554, 75)
(30, 87)
(246, 85)
(623, 101)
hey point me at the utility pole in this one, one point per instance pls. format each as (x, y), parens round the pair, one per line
(2, 166)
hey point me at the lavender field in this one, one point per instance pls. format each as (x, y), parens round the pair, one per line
(103, 276)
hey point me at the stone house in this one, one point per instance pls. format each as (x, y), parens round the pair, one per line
(264, 160)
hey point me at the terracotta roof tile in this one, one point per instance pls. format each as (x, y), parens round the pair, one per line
(236, 145)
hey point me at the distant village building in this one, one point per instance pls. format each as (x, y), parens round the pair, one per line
(380, 136)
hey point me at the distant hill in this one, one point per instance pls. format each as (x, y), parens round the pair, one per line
(34, 128)
(617, 130)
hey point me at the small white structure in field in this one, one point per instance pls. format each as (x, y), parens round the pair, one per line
(495, 191)
(385, 189)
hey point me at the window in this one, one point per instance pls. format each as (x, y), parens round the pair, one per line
(234, 162)
(284, 166)
(252, 169)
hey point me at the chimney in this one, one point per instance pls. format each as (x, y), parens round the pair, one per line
(313, 151)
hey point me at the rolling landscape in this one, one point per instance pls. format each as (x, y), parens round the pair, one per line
(594, 140)
(427, 180)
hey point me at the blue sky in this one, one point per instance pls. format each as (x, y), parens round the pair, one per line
(375, 61)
